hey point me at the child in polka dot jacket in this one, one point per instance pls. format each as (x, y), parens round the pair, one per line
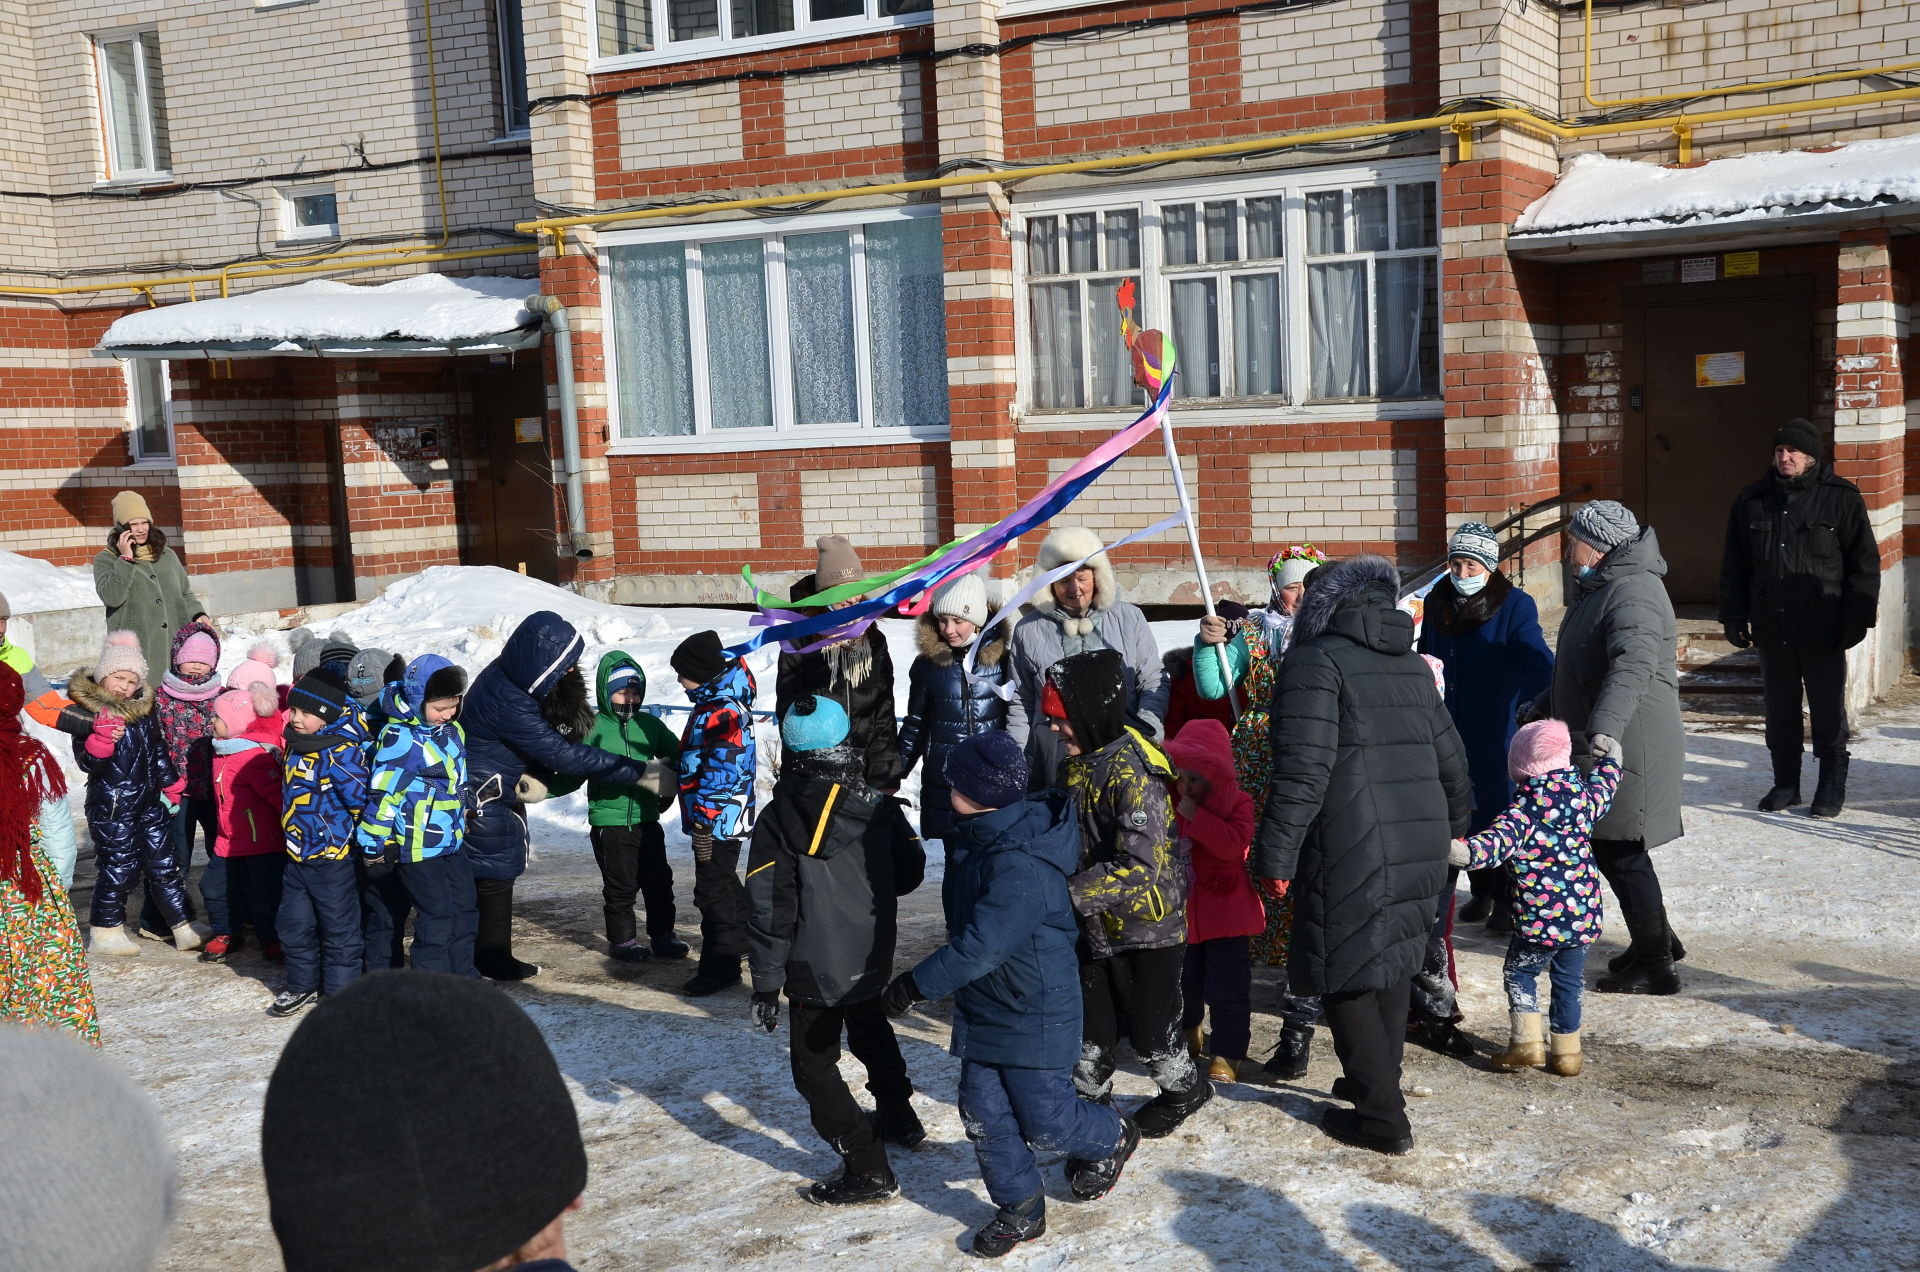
(1543, 838)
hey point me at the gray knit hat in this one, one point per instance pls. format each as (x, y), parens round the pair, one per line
(839, 563)
(86, 1172)
(1604, 524)
(1475, 541)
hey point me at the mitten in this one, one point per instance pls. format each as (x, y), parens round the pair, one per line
(385, 862)
(1604, 747)
(1852, 635)
(1739, 635)
(100, 741)
(902, 994)
(702, 844)
(1458, 854)
(662, 781)
(529, 789)
(766, 1009)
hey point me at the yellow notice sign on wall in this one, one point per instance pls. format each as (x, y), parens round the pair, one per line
(1719, 370)
(1740, 265)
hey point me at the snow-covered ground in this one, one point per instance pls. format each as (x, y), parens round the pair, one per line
(1767, 1118)
(32, 585)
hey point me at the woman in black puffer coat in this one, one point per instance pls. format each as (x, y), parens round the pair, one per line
(857, 674)
(944, 706)
(1369, 786)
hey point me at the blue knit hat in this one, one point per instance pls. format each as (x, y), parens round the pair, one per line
(814, 723)
(1475, 540)
(989, 768)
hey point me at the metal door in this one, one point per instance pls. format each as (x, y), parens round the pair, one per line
(513, 512)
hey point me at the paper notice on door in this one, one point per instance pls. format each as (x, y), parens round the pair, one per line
(526, 428)
(1719, 370)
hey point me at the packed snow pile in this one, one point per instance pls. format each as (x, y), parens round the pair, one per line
(1596, 192)
(429, 307)
(33, 586)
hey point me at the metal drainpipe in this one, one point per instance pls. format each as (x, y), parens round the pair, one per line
(556, 314)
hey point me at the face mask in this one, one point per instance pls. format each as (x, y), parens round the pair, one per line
(1584, 572)
(1470, 586)
(625, 711)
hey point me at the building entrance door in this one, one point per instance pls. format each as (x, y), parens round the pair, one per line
(513, 507)
(1712, 372)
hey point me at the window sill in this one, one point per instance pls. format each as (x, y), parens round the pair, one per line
(760, 440)
(1190, 414)
(268, 6)
(697, 50)
(165, 465)
(1022, 8)
(307, 240)
(136, 181)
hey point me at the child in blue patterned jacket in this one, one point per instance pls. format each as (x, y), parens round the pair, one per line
(1544, 838)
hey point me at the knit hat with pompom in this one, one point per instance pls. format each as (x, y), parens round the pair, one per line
(238, 710)
(121, 652)
(257, 668)
(1538, 749)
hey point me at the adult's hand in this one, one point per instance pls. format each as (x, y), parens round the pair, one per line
(1213, 630)
(1851, 636)
(766, 1009)
(1739, 635)
(123, 545)
(1606, 748)
(1530, 710)
(902, 994)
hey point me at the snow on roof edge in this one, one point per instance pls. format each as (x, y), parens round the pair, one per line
(437, 308)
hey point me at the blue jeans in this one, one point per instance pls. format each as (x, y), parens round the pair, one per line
(1565, 968)
(1008, 1113)
(320, 926)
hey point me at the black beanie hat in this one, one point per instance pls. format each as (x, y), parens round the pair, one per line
(441, 1090)
(1093, 688)
(700, 657)
(1802, 436)
(989, 768)
(320, 692)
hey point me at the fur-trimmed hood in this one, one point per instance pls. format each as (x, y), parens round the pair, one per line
(1363, 583)
(926, 640)
(92, 695)
(1070, 543)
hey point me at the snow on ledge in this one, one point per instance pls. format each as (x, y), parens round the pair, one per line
(1597, 193)
(425, 307)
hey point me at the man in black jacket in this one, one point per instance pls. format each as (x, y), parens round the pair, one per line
(1801, 579)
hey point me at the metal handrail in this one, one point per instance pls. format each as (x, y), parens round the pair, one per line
(1413, 580)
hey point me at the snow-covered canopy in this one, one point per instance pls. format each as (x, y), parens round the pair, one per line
(33, 586)
(1597, 194)
(420, 313)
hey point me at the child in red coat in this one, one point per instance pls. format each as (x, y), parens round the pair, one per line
(1215, 818)
(250, 853)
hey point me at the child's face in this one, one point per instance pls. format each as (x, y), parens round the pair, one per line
(304, 721)
(1067, 739)
(440, 710)
(194, 670)
(121, 684)
(1194, 787)
(220, 728)
(957, 632)
(630, 697)
(689, 685)
(964, 806)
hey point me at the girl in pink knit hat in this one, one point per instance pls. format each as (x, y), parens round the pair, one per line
(1544, 839)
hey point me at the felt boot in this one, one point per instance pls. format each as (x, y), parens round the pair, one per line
(111, 940)
(1526, 1043)
(1830, 796)
(191, 936)
(1563, 1055)
(1786, 784)
(1196, 1041)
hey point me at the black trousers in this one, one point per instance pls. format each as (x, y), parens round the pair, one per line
(633, 862)
(722, 901)
(1785, 670)
(493, 933)
(815, 1057)
(1627, 867)
(1138, 991)
(1369, 1034)
(1217, 978)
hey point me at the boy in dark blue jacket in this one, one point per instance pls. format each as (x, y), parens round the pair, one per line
(1010, 964)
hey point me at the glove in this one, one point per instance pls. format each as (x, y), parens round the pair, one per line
(702, 844)
(662, 781)
(1530, 711)
(1739, 635)
(1604, 747)
(902, 994)
(766, 1009)
(106, 731)
(529, 789)
(1274, 889)
(383, 864)
(169, 803)
(1213, 630)
(1459, 855)
(1851, 636)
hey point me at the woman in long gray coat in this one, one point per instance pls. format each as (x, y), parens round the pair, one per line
(142, 583)
(1616, 684)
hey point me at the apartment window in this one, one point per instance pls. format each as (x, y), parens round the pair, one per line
(514, 119)
(831, 325)
(669, 27)
(149, 410)
(309, 212)
(1271, 291)
(133, 105)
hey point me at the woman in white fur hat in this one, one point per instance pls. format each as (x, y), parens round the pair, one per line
(944, 705)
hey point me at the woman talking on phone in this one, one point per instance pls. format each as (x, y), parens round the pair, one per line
(142, 583)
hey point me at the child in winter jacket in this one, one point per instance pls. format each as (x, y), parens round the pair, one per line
(828, 862)
(325, 790)
(1009, 963)
(625, 820)
(183, 703)
(1130, 890)
(1545, 840)
(944, 705)
(125, 760)
(248, 847)
(716, 800)
(410, 835)
(1214, 820)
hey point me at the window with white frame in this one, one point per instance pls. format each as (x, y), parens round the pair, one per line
(511, 35)
(309, 212)
(1280, 288)
(826, 325)
(133, 105)
(668, 28)
(149, 411)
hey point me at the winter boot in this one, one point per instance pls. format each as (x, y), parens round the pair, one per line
(712, 976)
(1010, 1226)
(1440, 1036)
(1289, 1062)
(286, 1002)
(629, 952)
(1196, 1042)
(1344, 1125)
(220, 946)
(1786, 784)
(895, 1122)
(1563, 1055)
(190, 936)
(1224, 1069)
(1649, 968)
(855, 1189)
(1162, 1115)
(1830, 794)
(669, 946)
(1476, 910)
(1624, 959)
(502, 966)
(1500, 921)
(1090, 1181)
(1526, 1044)
(111, 940)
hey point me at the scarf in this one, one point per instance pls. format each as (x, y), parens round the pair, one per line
(178, 686)
(849, 662)
(29, 777)
(144, 552)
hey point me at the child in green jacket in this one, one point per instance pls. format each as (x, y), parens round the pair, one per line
(627, 839)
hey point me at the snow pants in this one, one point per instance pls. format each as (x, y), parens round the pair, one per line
(446, 919)
(1566, 968)
(383, 920)
(1784, 671)
(1012, 1114)
(1369, 1036)
(242, 890)
(633, 863)
(129, 843)
(1138, 990)
(815, 1058)
(193, 812)
(1217, 981)
(722, 901)
(320, 926)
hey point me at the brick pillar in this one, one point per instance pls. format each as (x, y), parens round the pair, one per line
(1869, 436)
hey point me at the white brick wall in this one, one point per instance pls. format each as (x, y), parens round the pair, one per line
(1334, 49)
(1137, 491)
(698, 511)
(1084, 81)
(695, 125)
(874, 107)
(1335, 496)
(892, 507)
